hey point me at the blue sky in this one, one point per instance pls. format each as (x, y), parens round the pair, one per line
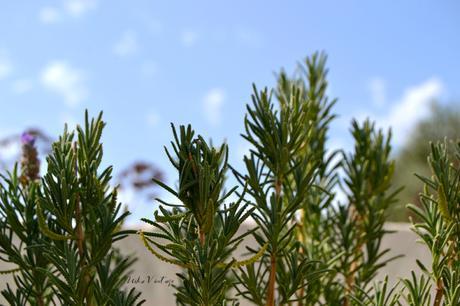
(149, 63)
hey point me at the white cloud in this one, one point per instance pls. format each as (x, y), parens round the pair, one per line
(153, 119)
(248, 36)
(377, 89)
(49, 15)
(411, 108)
(21, 86)
(212, 105)
(126, 196)
(77, 8)
(72, 8)
(66, 81)
(189, 38)
(127, 45)
(6, 67)
(10, 151)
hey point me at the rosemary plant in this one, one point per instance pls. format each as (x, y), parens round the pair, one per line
(311, 252)
(200, 233)
(292, 179)
(379, 295)
(359, 224)
(439, 228)
(58, 231)
(280, 179)
(313, 230)
(21, 242)
(78, 212)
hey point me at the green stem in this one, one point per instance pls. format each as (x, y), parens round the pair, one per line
(350, 279)
(202, 237)
(439, 293)
(80, 235)
(273, 259)
(272, 282)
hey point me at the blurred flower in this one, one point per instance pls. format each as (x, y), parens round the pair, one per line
(30, 164)
(139, 177)
(27, 139)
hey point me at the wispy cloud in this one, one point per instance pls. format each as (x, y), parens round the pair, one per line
(152, 118)
(6, 66)
(126, 196)
(413, 106)
(10, 151)
(68, 82)
(212, 105)
(403, 114)
(377, 90)
(189, 37)
(127, 44)
(77, 8)
(69, 8)
(49, 15)
(21, 86)
(248, 36)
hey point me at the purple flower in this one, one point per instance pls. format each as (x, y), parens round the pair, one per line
(27, 138)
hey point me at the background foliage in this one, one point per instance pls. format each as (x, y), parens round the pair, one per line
(442, 123)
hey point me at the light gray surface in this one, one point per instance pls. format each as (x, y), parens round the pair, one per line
(152, 277)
